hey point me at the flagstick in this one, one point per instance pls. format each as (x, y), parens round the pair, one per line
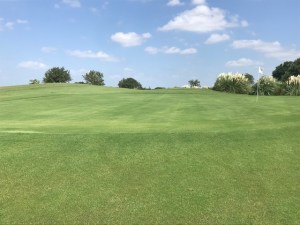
(257, 88)
(260, 71)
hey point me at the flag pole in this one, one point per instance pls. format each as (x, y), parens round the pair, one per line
(257, 88)
(260, 71)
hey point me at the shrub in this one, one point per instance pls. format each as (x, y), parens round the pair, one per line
(130, 83)
(293, 86)
(267, 85)
(232, 83)
(34, 81)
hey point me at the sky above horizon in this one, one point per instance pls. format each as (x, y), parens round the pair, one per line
(162, 43)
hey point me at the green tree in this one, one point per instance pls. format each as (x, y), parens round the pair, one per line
(94, 78)
(129, 83)
(194, 83)
(34, 81)
(57, 75)
(250, 78)
(293, 70)
(286, 70)
(280, 71)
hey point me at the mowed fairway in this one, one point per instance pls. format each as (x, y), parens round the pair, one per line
(79, 154)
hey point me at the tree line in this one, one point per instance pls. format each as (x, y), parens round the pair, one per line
(229, 83)
(61, 75)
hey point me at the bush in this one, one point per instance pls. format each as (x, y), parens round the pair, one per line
(267, 85)
(232, 83)
(34, 81)
(129, 83)
(293, 86)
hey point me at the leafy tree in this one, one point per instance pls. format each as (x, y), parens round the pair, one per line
(129, 83)
(34, 81)
(281, 70)
(194, 83)
(250, 78)
(286, 70)
(57, 75)
(94, 78)
(293, 70)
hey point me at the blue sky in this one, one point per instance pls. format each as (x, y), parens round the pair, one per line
(158, 42)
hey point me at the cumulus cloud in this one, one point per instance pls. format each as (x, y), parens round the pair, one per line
(92, 55)
(32, 65)
(269, 49)
(216, 38)
(203, 19)
(72, 3)
(130, 39)
(171, 50)
(174, 3)
(242, 62)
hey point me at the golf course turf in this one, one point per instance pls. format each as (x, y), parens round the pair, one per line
(83, 154)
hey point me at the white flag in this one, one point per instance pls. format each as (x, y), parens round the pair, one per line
(260, 71)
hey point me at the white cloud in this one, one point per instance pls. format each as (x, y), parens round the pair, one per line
(152, 50)
(188, 51)
(130, 39)
(19, 21)
(244, 23)
(171, 50)
(10, 25)
(174, 3)
(269, 49)
(242, 62)
(48, 50)
(216, 38)
(93, 55)
(199, 2)
(32, 65)
(202, 19)
(72, 3)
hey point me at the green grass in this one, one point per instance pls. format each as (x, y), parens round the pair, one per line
(79, 154)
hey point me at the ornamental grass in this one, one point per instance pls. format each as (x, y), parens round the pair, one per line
(232, 83)
(293, 86)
